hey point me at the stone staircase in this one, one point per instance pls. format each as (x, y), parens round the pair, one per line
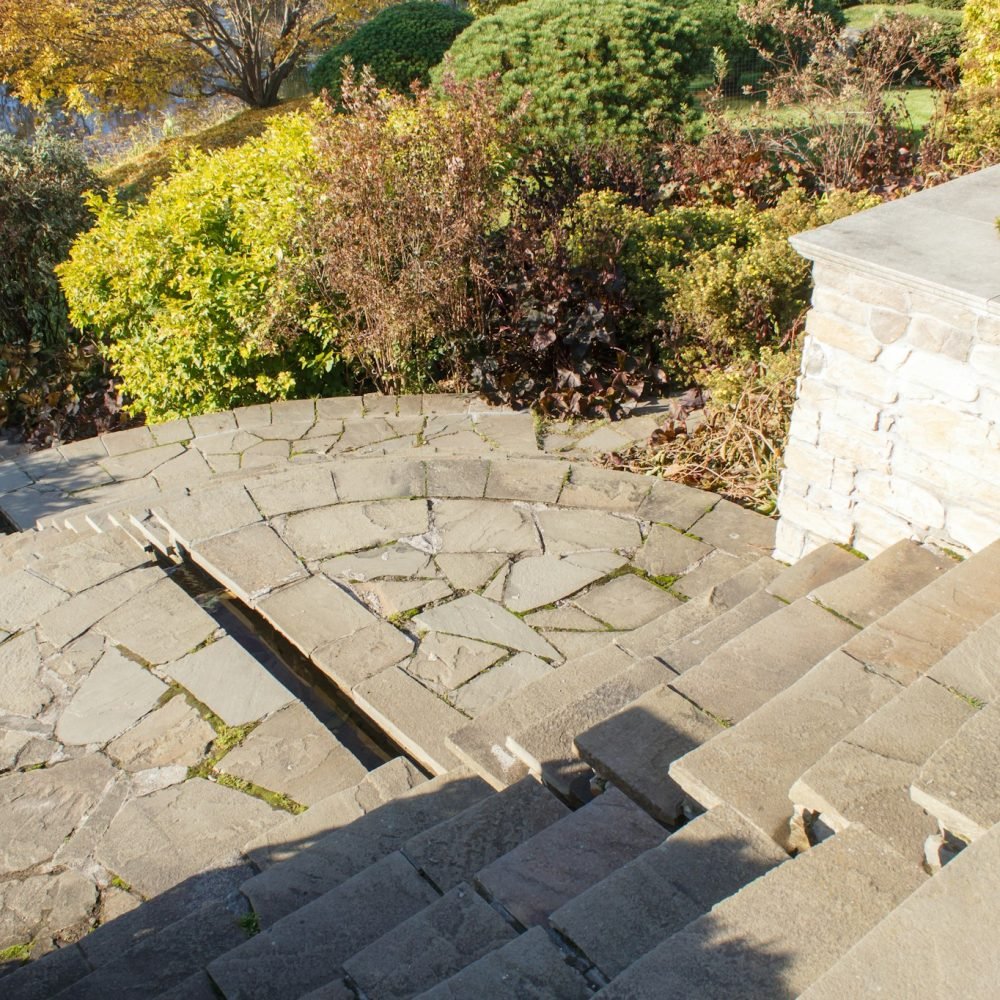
(618, 720)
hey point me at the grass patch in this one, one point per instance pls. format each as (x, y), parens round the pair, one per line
(276, 800)
(134, 174)
(864, 16)
(119, 883)
(250, 923)
(16, 953)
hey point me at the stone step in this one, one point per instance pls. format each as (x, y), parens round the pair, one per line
(744, 673)
(530, 967)
(939, 942)
(195, 987)
(823, 565)
(881, 584)
(432, 945)
(482, 744)
(454, 850)
(867, 775)
(163, 960)
(299, 833)
(627, 914)
(731, 682)
(958, 784)
(739, 580)
(780, 933)
(304, 949)
(753, 764)
(547, 747)
(345, 852)
(689, 650)
(567, 857)
(634, 749)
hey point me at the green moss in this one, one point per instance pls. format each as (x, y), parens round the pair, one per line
(119, 883)
(250, 923)
(16, 953)
(276, 800)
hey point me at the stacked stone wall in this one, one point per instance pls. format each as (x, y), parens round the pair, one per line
(896, 429)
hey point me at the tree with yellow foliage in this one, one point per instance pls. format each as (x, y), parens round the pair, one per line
(137, 53)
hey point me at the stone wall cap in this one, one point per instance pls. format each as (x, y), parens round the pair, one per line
(943, 239)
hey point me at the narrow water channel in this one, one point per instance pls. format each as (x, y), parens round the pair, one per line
(286, 664)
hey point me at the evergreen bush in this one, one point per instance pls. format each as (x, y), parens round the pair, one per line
(596, 73)
(399, 45)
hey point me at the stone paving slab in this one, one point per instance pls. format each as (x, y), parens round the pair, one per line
(391, 598)
(736, 530)
(227, 678)
(774, 652)
(528, 968)
(938, 942)
(668, 552)
(476, 618)
(566, 531)
(314, 612)
(540, 580)
(570, 855)
(250, 561)
(305, 949)
(753, 765)
(74, 617)
(24, 598)
(957, 785)
(430, 946)
(747, 946)
(298, 833)
(173, 734)
(627, 914)
(634, 748)
(115, 695)
(329, 531)
(292, 752)
(626, 602)
(484, 526)
(158, 624)
(455, 849)
(91, 560)
(972, 668)
(21, 689)
(495, 685)
(446, 662)
(418, 720)
(345, 852)
(43, 807)
(160, 840)
(368, 651)
(387, 562)
(40, 909)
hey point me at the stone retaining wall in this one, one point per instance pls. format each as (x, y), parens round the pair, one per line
(896, 429)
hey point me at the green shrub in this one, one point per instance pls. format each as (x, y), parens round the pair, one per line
(482, 8)
(42, 359)
(740, 285)
(399, 45)
(199, 294)
(596, 73)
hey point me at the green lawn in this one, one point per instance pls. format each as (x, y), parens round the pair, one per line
(865, 15)
(920, 103)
